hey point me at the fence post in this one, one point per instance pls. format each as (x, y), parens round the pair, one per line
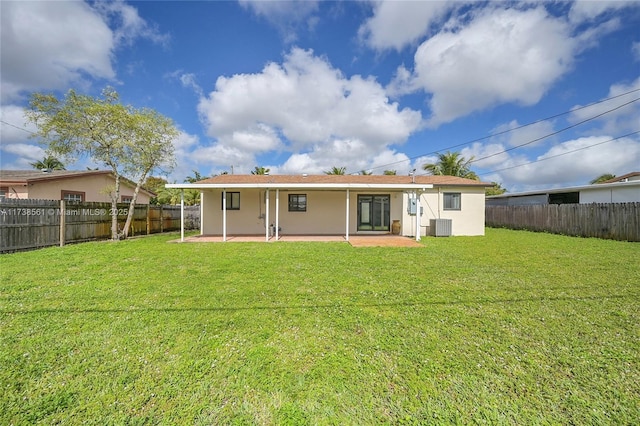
(148, 219)
(62, 222)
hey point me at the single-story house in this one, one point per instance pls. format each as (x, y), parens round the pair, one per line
(68, 185)
(629, 177)
(274, 205)
(619, 190)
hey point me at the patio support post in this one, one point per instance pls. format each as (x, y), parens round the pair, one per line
(417, 215)
(224, 215)
(182, 215)
(201, 212)
(266, 216)
(347, 218)
(277, 213)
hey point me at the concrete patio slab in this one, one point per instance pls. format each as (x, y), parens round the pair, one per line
(354, 240)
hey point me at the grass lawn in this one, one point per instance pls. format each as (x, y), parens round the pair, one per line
(511, 328)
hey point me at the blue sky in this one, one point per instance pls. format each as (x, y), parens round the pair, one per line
(301, 86)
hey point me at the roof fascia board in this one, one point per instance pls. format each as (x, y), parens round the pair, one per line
(594, 187)
(299, 186)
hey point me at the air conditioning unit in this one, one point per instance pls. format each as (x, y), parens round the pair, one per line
(440, 227)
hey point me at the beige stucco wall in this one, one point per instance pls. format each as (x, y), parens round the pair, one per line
(325, 215)
(96, 189)
(17, 191)
(326, 212)
(469, 220)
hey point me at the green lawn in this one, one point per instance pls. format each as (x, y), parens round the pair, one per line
(511, 328)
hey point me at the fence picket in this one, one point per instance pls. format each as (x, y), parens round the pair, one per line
(27, 224)
(614, 221)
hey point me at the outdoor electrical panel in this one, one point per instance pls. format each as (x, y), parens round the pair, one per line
(412, 206)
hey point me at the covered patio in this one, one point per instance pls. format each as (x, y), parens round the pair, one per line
(355, 241)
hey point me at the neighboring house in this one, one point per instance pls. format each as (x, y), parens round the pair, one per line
(88, 185)
(338, 204)
(623, 189)
(629, 177)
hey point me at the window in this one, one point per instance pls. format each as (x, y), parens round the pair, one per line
(73, 196)
(3, 192)
(452, 201)
(297, 202)
(374, 212)
(564, 198)
(126, 199)
(233, 201)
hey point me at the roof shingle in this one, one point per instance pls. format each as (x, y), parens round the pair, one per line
(341, 179)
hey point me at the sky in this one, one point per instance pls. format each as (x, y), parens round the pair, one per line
(538, 94)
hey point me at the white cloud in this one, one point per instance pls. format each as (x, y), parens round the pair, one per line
(25, 151)
(464, 73)
(286, 16)
(395, 24)
(624, 119)
(15, 134)
(189, 81)
(15, 127)
(223, 158)
(183, 146)
(587, 10)
(127, 23)
(391, 160)
(635, 50)
(46, 45)
(512, 134)
(343, 153)
(574, 162)
(494, 152)
(259, 138)
(301, 163)
(303, 104)
(50, 45)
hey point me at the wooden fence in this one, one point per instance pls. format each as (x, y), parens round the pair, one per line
(616, 221)
(28, 224)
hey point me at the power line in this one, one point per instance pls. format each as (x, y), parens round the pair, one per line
(17, 127)
(523, 126)
(475, 160)
(558, 155)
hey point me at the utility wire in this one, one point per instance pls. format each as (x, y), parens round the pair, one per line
(558, 155)
(475, 160)
(523, 126)
(17, 127)
(499, 133)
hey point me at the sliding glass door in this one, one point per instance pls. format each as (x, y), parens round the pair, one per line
(373, 212)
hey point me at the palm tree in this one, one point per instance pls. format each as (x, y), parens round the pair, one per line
(260, 171)
(389, 173)
(496, 189)
(195, 178)
(451, 164)
(336, 171)
(602, 178)
(48, 163)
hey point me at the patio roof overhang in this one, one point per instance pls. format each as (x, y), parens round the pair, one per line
(309, 186)
(278, 186)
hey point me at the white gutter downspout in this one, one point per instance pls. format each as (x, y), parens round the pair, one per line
(224, 215)
(182, 216)
(347, 218)
(277, 213)
(266, 216)
(417, 215)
